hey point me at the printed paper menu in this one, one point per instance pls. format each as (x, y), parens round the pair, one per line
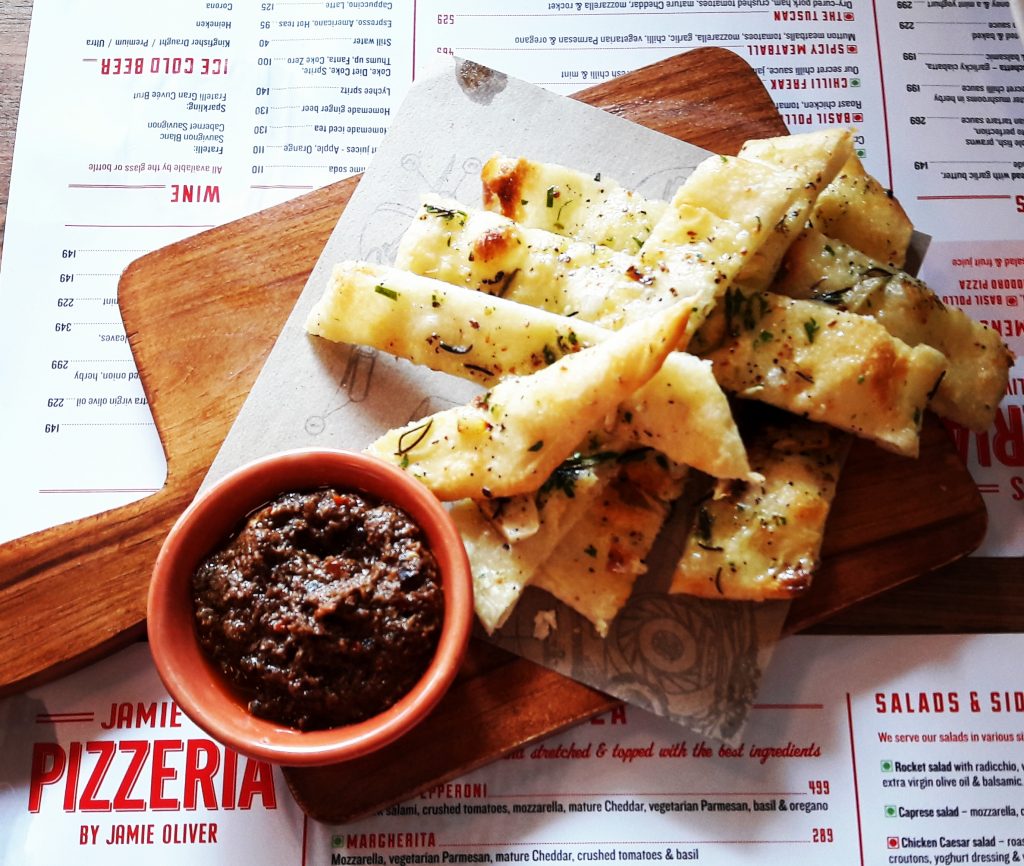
(185, 117)
(911, 755)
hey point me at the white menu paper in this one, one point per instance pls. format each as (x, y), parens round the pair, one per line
(910, 755)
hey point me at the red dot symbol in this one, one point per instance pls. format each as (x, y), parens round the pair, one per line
(892, 842)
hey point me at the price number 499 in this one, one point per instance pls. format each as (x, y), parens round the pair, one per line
(818, 787)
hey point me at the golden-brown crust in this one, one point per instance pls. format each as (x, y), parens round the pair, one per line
(885, 372)
(492, 244)
(761, 540)
(503, 182)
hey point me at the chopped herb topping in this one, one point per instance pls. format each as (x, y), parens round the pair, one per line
(743, 312)
(705, 523)
(568, 343)
(834, 298)
(411, 438)
(447, 213)
(558, 216)
(590, 550)
(549, 355)
(877, 272)
(811, 328)
(552, 192)
(829, 250)
(536, 446)
(455, 350)
(386, 292)
(505, 280)
(497, 278)
(564, 478)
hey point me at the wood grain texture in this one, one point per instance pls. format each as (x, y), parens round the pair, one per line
(15, 16)
(202, 316)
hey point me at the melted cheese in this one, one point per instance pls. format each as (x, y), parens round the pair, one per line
(978, 361)
(510, 441)
(827, 365)
(568, 202)
(503, 569)
(681, 411)
(761, 540)
(594, 570)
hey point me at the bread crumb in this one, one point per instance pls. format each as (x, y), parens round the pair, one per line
(544, 623)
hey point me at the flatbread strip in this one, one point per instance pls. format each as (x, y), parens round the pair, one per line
(595, 569)
(682, 411)
(807, 163)
(812, 384)
(569, 202)
(693, 257)
(761, 541)
(856, 209)
(603, 508)
(600, 211)
(513, 437)
(978, 361)
(501, 568)
(827, 365)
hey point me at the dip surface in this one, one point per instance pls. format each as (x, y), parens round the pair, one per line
(325, 608)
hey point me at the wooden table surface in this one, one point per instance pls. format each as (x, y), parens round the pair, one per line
(14, 20)
(973, 595)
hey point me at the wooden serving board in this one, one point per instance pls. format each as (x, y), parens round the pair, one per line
(201, 317)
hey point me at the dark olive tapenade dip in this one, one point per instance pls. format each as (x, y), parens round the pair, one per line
(325, 608)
